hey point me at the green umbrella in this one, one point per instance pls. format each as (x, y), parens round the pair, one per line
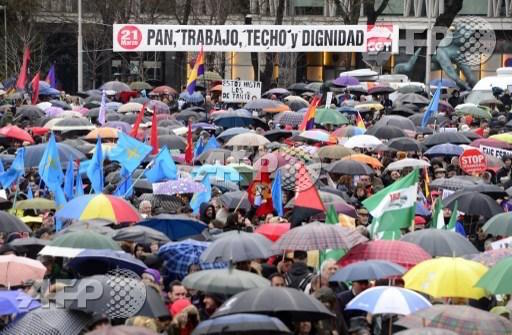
(140, 85)
(84, 239)
(330, 116)
(224, 281)
(499, 225)
(474, 110)
(210, 76)
(497, 279)
(36, 203)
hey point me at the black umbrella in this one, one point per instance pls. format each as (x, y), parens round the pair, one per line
(473, 203)
(385, 132)
(140, 234)
(242, 324)
(10, 224)
(298, 87)
(282, 302)
(167, 203)
(34, 154)
(30, 246)
(471, 135)
(380, 90)
(491, 190)
(446, 137)
(402, 111)
(172, 142)
(210, 156)
(424, 130)
(238, 247)
(61, 104)
(170, 123)
(236, 199)
(234, 119)
(79, 144)
(396, 121)
(189, 115)
(436, 119)
(277, 134)
(49, 320)
(368, 270)
(131, 117)
(154, 306)
(405, 144)
(350, 167)
(456, 183)
(439, 242)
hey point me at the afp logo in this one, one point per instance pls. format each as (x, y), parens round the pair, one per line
(379, 38)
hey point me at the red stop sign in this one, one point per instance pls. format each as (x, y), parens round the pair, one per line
(473, 161)
(129, 37)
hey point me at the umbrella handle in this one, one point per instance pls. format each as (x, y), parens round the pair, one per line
(240, 202)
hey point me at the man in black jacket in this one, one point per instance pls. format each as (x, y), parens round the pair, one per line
(345, 297)
(299, 274)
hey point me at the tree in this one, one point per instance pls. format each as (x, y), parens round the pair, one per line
(371, 13)
(451, 10)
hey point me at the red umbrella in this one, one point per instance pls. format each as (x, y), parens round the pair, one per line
(164, 90)
(273, 231)
(489, 142)
(16, 133)
(403, 253)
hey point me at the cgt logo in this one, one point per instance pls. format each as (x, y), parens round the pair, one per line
(379, 38)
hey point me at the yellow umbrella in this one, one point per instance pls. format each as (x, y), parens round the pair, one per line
(505, 137)
(369, 106)
(446, 277)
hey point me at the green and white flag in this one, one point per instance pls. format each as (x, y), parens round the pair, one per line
(394, 207)
(453, 218)
(437, 215)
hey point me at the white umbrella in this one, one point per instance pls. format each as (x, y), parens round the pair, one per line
(247, 140)
(389, 300)
(130, 107)
(363, 141)
(407, 162)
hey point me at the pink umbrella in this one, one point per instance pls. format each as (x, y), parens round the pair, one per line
(16, 270)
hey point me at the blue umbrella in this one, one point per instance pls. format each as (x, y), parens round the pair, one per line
(242, 323)
(228, 133)
(100, 261)
(195, 98)
(238, 119)
(422, 210)
(446, 149)
(221, 172)
(203, 126)
(346, 109)
(443, 83)
(368, 270)
(47, 90)
(178, 256)
(388, 300)
(34, 154)
(176, 227)
(16, 302)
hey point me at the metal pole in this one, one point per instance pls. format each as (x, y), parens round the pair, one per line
(80, 55)
(5, 39)
(428, 59)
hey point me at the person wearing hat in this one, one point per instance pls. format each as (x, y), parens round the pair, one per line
(185, 317)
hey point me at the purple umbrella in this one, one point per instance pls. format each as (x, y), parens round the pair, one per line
(345, 81)
(53, 111)
(178, 187)
(120, 125)
(158, 106)
(204, 126)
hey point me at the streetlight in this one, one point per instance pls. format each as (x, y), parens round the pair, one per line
(79, 43)
(4, 8)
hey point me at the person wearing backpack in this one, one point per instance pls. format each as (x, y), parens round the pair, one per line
(299, 275)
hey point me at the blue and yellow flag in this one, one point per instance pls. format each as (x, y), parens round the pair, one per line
(69, 180)
(15, 171)
(197, 70)
(50, 169)
(163, 168)
(95, 168)
(129, 152)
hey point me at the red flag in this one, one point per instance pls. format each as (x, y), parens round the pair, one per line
(307, 200)
(135, 128)
(22, 78)
(35, 88)
(309, 118)
(189, 151)
(154, 134)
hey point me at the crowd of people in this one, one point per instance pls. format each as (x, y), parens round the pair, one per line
(391, 117)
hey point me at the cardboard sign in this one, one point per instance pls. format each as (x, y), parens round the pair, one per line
(240, 90)
(328, 100)
(381, 37)
(472, 161)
